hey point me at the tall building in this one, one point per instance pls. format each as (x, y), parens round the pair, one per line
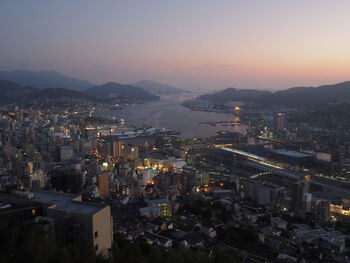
(299, 188)
(117, 148)
(124, 150)
(147, 176)
(130, 152)
(322, 210)
(66, 180)
(103, 184)
(306, 200)
(278, 122)
(66, 152)
(37, 180)
(30, 168)
(263, 193)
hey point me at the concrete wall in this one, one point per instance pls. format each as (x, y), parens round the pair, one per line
(103, 225)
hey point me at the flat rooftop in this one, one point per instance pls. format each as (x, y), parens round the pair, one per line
(65, 202)
(10, 203)
(264, 164)
(178, 164)
(157, 201)
(292, 153)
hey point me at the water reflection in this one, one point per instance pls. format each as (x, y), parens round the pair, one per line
(168, 113)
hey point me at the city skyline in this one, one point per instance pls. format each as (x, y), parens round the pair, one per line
(188, 44)
(162, 131)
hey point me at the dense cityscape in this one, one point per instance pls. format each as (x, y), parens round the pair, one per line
(277, 192)
(243, 156)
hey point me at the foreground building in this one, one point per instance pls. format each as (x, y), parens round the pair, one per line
(74, 219)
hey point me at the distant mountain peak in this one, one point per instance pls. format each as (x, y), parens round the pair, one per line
(292, 97)
(44, 79)
(124, 91)
(158, 88)
(233, 94)
(310, 96)
(11, 92)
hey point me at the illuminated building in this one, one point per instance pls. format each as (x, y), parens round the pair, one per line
(117, 148)
(339, 209)
(147, 176)
(26, 168)
(237, 109)
(30, 167)
(120, 149)
(37, 180)
(164, 205)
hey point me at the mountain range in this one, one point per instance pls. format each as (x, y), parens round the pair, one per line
(44, 79)
(117, 90)
(23, 85)
(309, 96)
(293, 97)
(232, 94)
(53, 79)
(158, 88)
(11, 92)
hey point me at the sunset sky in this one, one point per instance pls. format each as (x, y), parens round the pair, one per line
(207, 44)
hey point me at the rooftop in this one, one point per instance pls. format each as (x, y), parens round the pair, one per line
(292, 153)
(11, 203)
(149, 209)
(67, 202)
(179, 163)
(158, 201)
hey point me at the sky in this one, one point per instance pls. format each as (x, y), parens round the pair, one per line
(193, 44)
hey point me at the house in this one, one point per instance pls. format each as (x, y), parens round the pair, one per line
(207, 231)
(334, 240)
(278, 222)
(177, 234)
(158, 240)
(189, 221)
(150, 211)
(269, 231)
(193, 240)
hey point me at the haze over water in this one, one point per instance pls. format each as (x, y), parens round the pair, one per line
(168, 113)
